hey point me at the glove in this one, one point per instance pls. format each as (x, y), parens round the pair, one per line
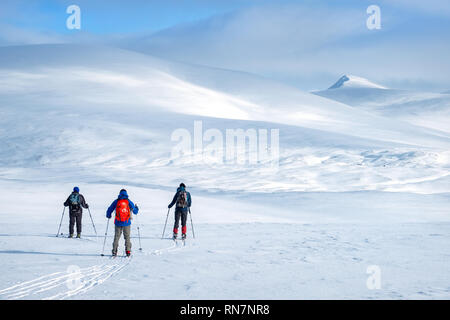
(87, 206)
(169, 206)
(136, 206)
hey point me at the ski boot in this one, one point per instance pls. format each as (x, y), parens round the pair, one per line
(183, 236)
(78, 235)
(128, 253)
(114, 254)
(175, 236)
(70, 235)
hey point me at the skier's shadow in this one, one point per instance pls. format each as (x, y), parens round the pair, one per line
(48, 253)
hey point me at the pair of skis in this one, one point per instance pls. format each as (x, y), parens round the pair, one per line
(124, 256)
(183, 241)
(76, 238)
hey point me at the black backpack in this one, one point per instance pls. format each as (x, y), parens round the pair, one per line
(182, 199)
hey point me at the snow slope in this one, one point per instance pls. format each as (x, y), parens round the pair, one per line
(84, 75)
(112, 113)
(352, 188)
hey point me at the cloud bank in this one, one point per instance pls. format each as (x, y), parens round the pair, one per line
(310, 46)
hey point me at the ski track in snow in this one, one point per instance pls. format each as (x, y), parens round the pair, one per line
(95, 279)
(88, 278)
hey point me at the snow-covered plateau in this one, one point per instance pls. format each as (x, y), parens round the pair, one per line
(357, 206)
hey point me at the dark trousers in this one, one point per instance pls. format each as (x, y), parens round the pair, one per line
(75, 217)
(180, 214)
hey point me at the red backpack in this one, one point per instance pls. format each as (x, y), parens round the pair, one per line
(122, 210)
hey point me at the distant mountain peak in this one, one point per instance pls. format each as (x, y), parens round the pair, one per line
(349, 81)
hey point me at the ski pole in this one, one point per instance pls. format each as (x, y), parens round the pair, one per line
(104, 241)
(139, 234)
(61, 221)
(93, 223)
(190, 215)
(167, 217)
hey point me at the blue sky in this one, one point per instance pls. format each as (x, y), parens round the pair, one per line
(101, 16)
(305, 43)
(137, 16)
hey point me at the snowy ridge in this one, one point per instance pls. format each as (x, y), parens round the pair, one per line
(424, 109)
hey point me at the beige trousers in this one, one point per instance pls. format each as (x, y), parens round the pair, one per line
(126, 234)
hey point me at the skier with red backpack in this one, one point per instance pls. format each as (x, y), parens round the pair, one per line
(76, 203)
(123, 207)
(183, 202)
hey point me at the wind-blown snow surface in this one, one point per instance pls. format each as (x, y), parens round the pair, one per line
(353, 188)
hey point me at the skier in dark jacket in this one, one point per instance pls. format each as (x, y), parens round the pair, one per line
(183, 202)
(75, 202)
(123, 207)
